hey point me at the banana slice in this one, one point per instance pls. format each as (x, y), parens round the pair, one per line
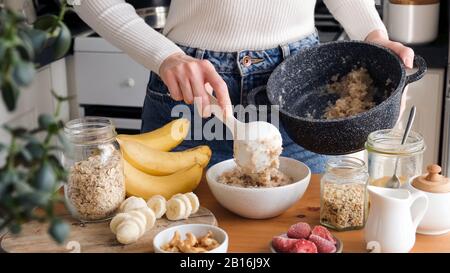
(140, 219)
(187, 203)
(158, 204)
(149, 215)
(118, 219)
(195, 203)
(128, 232)
(132, 203)
(176, 209)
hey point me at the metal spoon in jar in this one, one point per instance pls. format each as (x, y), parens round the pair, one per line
(394, 182)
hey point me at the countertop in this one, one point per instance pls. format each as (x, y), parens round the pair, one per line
(247, 235)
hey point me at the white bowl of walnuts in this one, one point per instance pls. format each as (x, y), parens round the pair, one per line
(191, 238)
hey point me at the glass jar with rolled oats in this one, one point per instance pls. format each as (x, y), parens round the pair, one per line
(96, 184)
(343, 190)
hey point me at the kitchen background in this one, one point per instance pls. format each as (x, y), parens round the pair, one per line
(105, 82)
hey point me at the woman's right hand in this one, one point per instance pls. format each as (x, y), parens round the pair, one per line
(188, 78)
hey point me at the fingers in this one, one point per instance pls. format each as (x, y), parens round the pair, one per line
(174, 89)
(405, 53)
(219, 86)
(200, 96)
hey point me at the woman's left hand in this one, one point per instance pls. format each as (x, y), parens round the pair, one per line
(405, 53)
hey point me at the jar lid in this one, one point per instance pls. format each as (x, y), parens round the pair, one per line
(433, 181)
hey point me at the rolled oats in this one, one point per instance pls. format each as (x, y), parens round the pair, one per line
(96, 186)
(343, 205)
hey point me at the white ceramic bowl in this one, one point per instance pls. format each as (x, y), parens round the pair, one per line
(260, 203)
(198, 230)
(436, 220)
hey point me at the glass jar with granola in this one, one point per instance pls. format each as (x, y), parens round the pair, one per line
(343, 190)
(96, 184)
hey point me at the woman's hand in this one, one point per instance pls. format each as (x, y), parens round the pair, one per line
(405, 53)
(188, 78)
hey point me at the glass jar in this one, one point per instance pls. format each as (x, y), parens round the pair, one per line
(385, 151)
(96, 185)
(343, 194)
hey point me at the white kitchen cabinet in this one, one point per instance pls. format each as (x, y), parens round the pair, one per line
(37, 98)
(427, 95)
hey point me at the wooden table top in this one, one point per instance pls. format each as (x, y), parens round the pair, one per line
(248, 235)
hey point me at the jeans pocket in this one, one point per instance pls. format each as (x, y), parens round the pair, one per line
(157, 89)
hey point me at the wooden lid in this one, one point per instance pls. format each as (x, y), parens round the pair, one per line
(433, 181)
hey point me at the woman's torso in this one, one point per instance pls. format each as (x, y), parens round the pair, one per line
(232, 25)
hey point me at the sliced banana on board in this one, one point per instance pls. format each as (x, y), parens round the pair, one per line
(140, 220)
(176, 209)
(187, 204)
(158, 204)
(149, 215)
(195, 203)
(119, 218)
(128, 232)
(132, 203)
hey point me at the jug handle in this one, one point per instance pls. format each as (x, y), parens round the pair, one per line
(418, 196)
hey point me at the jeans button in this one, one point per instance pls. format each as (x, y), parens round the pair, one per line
(247, 61)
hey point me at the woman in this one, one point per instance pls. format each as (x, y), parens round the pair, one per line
(231, 45)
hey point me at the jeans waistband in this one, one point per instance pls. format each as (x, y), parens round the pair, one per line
(251, 61)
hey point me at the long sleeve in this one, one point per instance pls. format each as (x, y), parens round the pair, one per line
(358, 17)
(117, 22)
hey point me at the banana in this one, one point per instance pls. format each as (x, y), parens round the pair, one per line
(156, 162)
(176, 209)
(149, 215)
(143, 185)
(119, 218)
(186, 202)
(165, 138)
(140, 219)
(195, 203)
(128, 232)
(132, 203)
(158, 204)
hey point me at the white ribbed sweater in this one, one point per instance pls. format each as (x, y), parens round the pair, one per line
(221, 25)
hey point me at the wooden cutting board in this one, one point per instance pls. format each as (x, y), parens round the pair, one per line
(91, 237)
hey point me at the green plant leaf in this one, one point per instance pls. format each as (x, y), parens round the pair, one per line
(62, 42)
(34, 199)
(24, 73)
(46, 120)
(22, 187)
(45, 22)
(45, 177)
(25, 47)
(36, 149)
(59, 230)
(15, 228)
(10, 95)
(37, 37)
(2, 48)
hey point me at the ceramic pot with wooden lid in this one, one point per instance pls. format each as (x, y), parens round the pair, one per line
(437, 188)
(412, 21)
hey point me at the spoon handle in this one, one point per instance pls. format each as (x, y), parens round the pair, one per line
(226, 118)
(412, 115)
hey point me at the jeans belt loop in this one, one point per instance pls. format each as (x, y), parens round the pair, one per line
(286, 50)
(200, 53)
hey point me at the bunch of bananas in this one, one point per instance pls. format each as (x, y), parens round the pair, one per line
(151, 169)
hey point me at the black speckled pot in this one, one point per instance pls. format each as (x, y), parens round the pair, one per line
(297, 87)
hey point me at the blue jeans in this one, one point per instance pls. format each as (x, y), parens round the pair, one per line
(240, 77)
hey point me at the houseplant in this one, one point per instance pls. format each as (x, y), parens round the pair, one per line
(30, 169)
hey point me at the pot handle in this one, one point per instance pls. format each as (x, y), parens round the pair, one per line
(421, 70)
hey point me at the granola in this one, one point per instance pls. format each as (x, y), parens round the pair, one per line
(96, 186)
(271, 177)
(343, 205)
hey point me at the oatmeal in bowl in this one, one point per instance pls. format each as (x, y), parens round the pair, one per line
(258, 202)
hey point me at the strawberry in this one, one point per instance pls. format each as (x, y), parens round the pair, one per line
(323, 245)
(303, 246)
(324, 233)
(300, 230)
(282, 243)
